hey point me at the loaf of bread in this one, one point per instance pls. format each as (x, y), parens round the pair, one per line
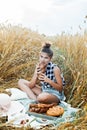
(55, 111)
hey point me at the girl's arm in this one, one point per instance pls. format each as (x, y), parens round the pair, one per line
(57, 85)
(34, 78)
(38, 70)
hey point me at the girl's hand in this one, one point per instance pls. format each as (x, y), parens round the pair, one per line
(40, 68)
(42, 77)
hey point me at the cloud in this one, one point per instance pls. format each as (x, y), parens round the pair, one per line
(47, 16)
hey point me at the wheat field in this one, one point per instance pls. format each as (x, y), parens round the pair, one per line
(19, 51)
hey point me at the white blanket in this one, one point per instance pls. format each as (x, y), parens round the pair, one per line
(17, 94)
(20, 102)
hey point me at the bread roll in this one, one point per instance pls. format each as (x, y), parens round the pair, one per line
(55, 111)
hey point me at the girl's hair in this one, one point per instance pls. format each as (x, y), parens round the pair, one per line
(46, 49)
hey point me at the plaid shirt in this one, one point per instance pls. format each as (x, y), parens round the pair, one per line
(50, 74)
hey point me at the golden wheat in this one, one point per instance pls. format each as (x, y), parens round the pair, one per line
(19, 51)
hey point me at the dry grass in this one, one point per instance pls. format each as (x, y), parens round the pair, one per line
(80, 123)
(19, 51)
(74, 53)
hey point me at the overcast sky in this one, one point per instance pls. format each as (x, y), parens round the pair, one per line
(49, 17)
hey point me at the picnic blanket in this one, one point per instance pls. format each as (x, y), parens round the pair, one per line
(21, 104)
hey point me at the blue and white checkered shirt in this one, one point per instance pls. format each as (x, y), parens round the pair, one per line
(50, 74)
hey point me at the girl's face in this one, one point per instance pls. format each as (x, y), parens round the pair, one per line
(44, 59)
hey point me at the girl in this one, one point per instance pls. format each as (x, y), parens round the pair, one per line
(51, 90)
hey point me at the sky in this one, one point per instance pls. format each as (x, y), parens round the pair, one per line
(49, 17)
